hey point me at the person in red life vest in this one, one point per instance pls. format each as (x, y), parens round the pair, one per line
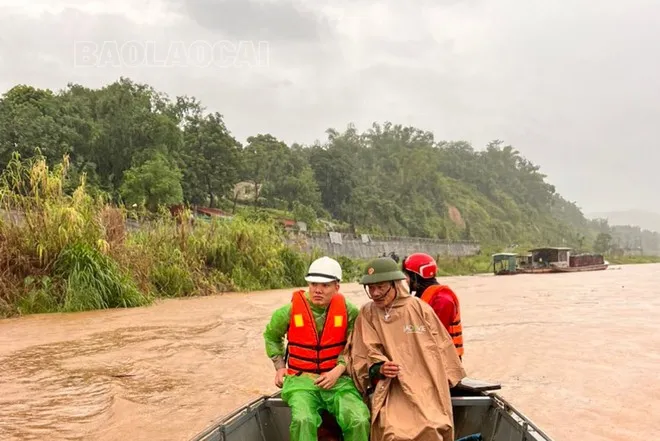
(311, 371)
(420, 270)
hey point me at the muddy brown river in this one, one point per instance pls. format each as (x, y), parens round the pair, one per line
(577, 353)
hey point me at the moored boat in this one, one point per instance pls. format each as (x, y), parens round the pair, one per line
(479, 414)
(559, 260)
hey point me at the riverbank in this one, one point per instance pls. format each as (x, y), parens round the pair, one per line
(71, 253)
(632, 260)
(482, 264)
(74, 253)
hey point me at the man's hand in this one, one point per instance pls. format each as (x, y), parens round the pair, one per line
(389, 369)
(279, 377)
(328, 379)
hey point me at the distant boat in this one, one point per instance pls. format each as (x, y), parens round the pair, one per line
(549, 260)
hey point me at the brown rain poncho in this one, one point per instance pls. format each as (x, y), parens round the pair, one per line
(416, 405)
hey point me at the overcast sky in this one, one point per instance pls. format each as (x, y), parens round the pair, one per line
(573, 84)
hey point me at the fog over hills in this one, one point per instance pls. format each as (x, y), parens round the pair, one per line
(645, 219)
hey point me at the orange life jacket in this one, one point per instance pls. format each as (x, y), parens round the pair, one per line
(455, 327)
(305, 351)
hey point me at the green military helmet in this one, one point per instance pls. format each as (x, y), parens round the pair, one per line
(382, 269)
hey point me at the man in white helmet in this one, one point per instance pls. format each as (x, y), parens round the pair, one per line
(311, 370)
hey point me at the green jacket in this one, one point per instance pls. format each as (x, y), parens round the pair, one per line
(279, 325)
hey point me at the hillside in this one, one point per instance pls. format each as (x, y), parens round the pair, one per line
(138, 146)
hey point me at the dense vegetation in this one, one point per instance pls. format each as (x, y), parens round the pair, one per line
(618, 238)
(72, 252)
(73, 159)
(138, 146)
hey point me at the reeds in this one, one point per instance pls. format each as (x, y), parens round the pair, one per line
(61, 252)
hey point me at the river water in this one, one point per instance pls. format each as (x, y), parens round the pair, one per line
(578, 353)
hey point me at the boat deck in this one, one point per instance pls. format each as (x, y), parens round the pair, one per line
(475, 411)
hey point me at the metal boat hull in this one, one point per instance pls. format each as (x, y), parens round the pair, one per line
(579, 269)
(547, 270)
(475, 411)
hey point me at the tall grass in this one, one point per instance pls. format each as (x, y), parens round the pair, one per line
(54, 247)
(62, 252)
(463, 266)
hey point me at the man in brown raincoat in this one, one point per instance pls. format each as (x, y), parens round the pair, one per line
(403, 355)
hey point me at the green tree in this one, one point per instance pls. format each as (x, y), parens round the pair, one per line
(389, 179)
(210, 159)
(603, 243)
(155, 182)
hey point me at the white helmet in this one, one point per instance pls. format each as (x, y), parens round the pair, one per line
(324, 270)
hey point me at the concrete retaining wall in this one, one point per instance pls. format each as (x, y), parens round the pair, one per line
(337, 244)
(367, 248)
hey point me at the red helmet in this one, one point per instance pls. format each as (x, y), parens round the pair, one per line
(422, 264)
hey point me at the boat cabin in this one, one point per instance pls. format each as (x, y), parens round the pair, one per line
(524, 260)
(504, 263)
(550, 256)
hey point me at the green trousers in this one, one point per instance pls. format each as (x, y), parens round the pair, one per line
(343, 401)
